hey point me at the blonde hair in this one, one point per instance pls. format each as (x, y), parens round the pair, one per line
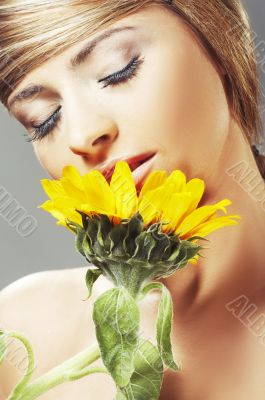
(32, 31)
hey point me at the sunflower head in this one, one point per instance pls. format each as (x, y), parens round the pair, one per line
(132, 237)
(129, 253)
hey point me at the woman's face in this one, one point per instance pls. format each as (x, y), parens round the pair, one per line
(170, 100)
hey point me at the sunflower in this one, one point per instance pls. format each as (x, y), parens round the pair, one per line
(161, 221)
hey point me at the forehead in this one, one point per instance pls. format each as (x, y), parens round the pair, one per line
(149, 20)
(73, 59)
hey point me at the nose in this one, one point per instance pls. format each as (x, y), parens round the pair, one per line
(92, 144)
(90, 140)
(90, 131)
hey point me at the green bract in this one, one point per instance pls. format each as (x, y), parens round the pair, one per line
(130, 254)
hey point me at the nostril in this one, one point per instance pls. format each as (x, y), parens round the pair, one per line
(102, 138)
(78, 152)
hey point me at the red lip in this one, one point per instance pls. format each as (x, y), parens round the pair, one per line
(133, 162)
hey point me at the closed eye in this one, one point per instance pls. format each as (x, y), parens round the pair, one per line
(114, 79)
(123, 75)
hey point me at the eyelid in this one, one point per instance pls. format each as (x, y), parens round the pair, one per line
(46, 119)
(119, 71)
(36, 135)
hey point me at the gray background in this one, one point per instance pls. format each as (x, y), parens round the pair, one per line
(50, 246)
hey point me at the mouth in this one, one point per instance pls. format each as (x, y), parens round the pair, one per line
(140, 166)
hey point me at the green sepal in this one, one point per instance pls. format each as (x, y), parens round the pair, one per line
(80, 240)
(144, 246)
(117, 318)
(135, 226)
(74, 226)
(91, 276)
(129, 253)
(197, 238)
(114, 240)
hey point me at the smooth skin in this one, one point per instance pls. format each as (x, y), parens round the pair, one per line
(175, 105)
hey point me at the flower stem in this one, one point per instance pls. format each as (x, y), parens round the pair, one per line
(30, 367)
(74, 368)
(87, 371)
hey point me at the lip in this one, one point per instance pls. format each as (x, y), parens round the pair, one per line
(138, 173)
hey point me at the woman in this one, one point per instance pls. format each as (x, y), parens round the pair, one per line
(187, 91)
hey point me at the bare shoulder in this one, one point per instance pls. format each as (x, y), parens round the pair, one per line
(48, 302)
(44, 280)
(48, 308)
(38, 296)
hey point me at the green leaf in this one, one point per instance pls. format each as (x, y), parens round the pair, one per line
(117, 318)
(146, 380)
(3, 346)
(120, 396)
(164, 324)
(91, 277)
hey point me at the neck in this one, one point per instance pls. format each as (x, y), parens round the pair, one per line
(234, 257)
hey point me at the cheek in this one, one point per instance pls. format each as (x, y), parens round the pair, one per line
(187, 108)
(197, 102)
(52, 158)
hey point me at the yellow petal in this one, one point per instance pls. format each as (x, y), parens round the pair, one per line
(74, 216)
(209, 226)
(178, 181)
(150, 205)
(72, 190)
(175, 183)
(98, 192)
(72, 174)
(49, 207)
(153, 180)
(52, 188)
(201, 215)
(65, 202)
(196, 186)
(154, 202)
(176, 206)
(123, 187)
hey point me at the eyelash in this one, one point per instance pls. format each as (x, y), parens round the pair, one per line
(114, 79)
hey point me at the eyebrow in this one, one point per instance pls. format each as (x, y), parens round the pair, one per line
(29, 92)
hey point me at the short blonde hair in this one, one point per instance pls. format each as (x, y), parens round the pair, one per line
(32, 31)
